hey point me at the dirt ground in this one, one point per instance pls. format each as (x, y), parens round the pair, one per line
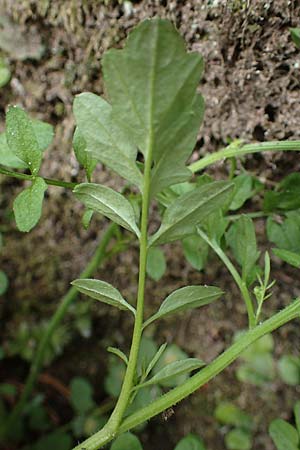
(251, 89)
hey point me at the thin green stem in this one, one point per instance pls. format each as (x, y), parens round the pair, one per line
(210, 371)
(233, 151)
(24, 176)
(235, 275)
(65, 302)
(253, 215)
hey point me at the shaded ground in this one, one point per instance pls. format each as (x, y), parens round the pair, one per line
(251, 87)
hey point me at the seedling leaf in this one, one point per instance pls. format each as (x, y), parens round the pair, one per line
(108, 202)
(102, 291)
(28, 205)
(287, 256)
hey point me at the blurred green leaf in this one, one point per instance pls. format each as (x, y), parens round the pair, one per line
(287, 256)
(289, 369)
(82, 155)
(126, 441)
(81, 395)
(156, 263)
(228, 413)
(238, 439)
(284, 435)
(190, 442)
(295, 33)
(195, 250)
(3, 282)
(57, 440)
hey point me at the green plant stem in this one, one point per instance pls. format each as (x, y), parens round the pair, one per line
(24, 176)
(233, 151)
(65, 302)
(235, 275)
(214, 368)
(177, 394)
(253, 215)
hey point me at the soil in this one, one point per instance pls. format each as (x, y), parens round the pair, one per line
(251, 88)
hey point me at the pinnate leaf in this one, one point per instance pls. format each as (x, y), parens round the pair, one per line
(108, 202)
(28, 205)
(190, 209)
(102, 291)
(185, 298)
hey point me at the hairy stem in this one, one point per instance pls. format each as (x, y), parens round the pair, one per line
(49, 181)
(235, 275)
(65, 302)
(232, 151)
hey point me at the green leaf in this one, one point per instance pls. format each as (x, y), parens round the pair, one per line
(173, 369)
(258, 371)
(126, 441)
(155, 358)
(229, 414)
(172, 353)
(105, 140)
(284, 435)
(285, 235)
(289, 369)
(43, 132)
(297, 415)
(152, 86)
(119, 353)
(182, 216)
(242, 240)
(102, 291)
(5, 73)
(86, 218)
(57, 440)
(295, 33)
(114, 379)
(28, 205)
(286, 197)
(81, 395)
(242, 191)
(156, 263)
(195, 250)
(82, 155)
(238, 439)
(21, 138)
(190, 442)
(291, 258)
(3, 282)
(147, 351)
(108, 202)
(185, 298)
(7, 156)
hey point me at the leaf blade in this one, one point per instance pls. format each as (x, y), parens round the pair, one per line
(108, 202)
(102, 291)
